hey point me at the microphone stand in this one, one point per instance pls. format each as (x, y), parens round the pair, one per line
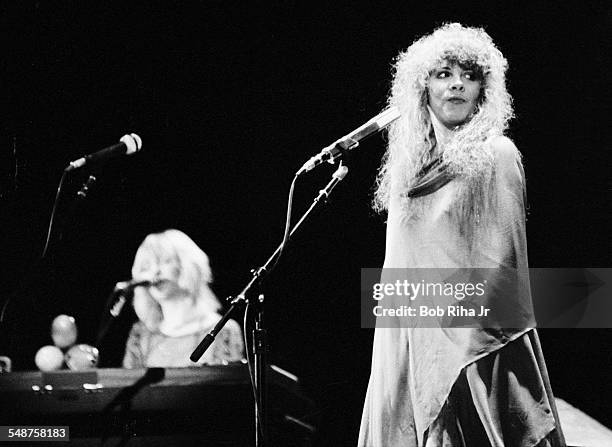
(259, 342)
(112, 309)
(81, 196)
(259, 366)
(43, 265)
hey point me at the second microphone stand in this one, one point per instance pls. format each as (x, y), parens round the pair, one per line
(259, 341)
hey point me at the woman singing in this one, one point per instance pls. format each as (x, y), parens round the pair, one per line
(176, 314)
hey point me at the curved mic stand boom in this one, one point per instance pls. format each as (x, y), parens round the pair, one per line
(259, 333)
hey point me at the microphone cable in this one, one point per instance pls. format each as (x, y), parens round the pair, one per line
(52, 218)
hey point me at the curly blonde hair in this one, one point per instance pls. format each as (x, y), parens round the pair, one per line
(466, 154)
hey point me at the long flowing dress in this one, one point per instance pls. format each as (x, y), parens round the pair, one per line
(447, 386)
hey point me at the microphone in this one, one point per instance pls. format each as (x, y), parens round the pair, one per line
(128, 144)
(126, 286)
(121, 289)
(351, 140)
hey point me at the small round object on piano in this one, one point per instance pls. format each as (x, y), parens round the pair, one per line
(49, 358)
(64, 331)
(82, 357)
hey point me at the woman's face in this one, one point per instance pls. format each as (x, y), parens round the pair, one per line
(162, 267)
(453, 93)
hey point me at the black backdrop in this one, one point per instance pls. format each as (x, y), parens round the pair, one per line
(230, 102)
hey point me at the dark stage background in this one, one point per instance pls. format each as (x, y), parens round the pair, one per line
(230, 102)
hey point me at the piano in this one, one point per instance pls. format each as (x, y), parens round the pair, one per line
(202, 406)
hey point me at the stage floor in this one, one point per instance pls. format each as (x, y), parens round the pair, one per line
(580, 429)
